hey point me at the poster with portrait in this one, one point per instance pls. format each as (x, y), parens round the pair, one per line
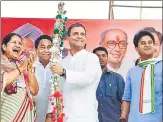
(120, 33)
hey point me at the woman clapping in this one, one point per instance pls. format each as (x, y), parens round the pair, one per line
(19, 83)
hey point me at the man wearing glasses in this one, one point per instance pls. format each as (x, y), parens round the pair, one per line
(115, 41)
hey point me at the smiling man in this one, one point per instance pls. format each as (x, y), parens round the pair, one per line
(142, 99)
(81, 74)
(115, 41)
(43, 75)
(158, 42)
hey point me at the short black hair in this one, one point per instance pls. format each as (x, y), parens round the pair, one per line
(7, 38)
(153, 30)
(42, 37)
(100, 49)
(140, 34)
(75, 25)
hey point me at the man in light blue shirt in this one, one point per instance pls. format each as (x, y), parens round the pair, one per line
(132, 105)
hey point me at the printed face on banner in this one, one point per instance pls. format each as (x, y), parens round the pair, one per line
(28, 44)
(115, 41)
(156, 45)
(28, 48)
(121, 50)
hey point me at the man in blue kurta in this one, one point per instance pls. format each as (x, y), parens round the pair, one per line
(142, 99)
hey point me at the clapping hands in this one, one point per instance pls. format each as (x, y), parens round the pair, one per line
(28, 62)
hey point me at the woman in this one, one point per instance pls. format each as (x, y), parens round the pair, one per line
(18, 83)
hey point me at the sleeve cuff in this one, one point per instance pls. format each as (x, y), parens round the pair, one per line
(126, 99)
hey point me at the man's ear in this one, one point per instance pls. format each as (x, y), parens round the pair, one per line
(136, 49)
(69, 39)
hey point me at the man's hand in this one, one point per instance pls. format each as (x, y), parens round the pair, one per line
(48, 120)
(122, 120)
(56, 68)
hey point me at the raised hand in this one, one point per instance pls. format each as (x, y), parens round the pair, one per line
(24, 65)
(31, 59)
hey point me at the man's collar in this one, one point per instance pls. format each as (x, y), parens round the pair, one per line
(112, 69)
(107, 70)
(38, 63)
(83, 50)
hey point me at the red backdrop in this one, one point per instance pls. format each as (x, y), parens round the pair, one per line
(93, 27)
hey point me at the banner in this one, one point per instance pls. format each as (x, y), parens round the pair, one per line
(94, 29)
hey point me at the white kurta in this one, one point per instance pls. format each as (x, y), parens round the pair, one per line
(44, 76)
(83, 72)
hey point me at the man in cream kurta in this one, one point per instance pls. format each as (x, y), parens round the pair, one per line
(44, 76)
(82, 72)
(82, 77)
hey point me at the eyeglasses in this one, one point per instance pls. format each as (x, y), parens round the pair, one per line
(113, 44)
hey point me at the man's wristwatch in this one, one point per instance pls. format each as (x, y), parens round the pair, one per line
(49, 116)
(64, 72)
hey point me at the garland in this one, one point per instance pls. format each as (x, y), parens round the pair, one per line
(56, 50)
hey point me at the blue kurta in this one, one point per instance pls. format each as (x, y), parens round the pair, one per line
(132, 94)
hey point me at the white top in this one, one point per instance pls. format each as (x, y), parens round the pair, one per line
(124, 67)
(83, 74)
(20, 81)
(44, 78)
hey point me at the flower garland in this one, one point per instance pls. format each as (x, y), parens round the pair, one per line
(56, 50)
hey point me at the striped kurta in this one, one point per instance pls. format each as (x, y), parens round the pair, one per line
(15, 107)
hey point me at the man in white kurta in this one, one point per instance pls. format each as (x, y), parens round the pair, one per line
(44, 76)
(82, 72)
(82, 77)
